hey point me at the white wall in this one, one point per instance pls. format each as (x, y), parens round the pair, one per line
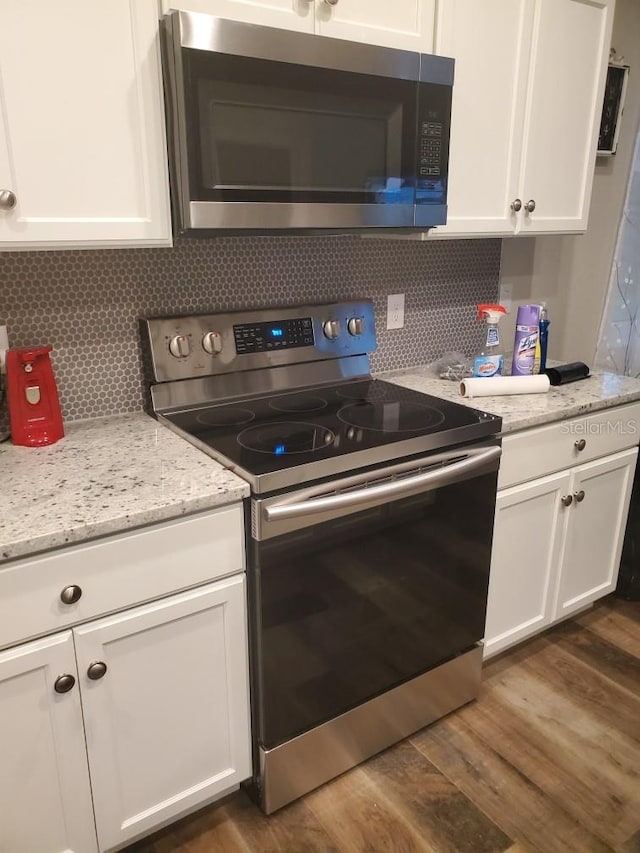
(572, 273)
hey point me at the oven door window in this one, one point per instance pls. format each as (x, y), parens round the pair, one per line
(353, 607)
(272, 132)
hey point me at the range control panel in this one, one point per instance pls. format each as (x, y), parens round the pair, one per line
(185, 347)
(279, 334)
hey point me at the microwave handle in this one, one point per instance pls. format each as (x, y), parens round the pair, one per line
(426, 481)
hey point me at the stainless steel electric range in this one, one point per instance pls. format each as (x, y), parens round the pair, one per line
(369, 528)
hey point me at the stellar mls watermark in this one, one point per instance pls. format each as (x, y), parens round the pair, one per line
(613, 426)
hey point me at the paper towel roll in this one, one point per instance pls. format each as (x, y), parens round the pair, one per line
(498, 386)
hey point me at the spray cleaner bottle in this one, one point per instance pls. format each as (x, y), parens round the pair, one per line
(490, 359)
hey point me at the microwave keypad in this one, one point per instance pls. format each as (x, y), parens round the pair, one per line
(430, 155)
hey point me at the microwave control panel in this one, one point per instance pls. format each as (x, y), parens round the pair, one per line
(430, 143)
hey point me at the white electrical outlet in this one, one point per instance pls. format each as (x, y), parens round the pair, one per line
(506, 295)
(4, 346)
(395, 311)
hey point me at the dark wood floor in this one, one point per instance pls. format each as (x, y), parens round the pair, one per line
(548, 759)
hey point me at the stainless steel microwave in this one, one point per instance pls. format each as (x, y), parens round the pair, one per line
(275, 130)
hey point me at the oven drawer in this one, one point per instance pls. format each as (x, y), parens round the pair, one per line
(118, 572)
(543, 450)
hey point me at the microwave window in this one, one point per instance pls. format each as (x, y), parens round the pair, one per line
(268, 131)
(265, 138)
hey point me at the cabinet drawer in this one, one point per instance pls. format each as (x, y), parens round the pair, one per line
(544, 450)
(118, 571)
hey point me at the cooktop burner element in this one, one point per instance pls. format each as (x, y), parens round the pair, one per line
(286, 437)
(396, 416)
(297, 403)
(221, 416)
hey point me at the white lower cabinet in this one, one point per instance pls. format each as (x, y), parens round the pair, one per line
(601, 493)
(556, 546)
(167, 724)
(45, 796)
(527, 545)
(163, 689)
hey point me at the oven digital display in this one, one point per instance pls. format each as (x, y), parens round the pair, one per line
(265, 337)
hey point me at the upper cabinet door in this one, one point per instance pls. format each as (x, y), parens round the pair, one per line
(82, 147)
(287, 14)
(490, 42)
(570, 49)
(45, 794)
(405, 24)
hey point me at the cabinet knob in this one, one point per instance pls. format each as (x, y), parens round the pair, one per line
(567, 500)
(8, 200)
(579, 496)
(331, 2)
(96, 670)
(70, 594)
(530, 206)
(64, 683)
(516, 204)
(580, 444)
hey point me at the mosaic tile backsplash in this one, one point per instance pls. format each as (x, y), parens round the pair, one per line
(86, 303)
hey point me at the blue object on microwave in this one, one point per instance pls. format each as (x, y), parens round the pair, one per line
(391, 190)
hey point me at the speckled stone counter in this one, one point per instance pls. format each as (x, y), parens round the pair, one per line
(106, 475)
(599, 391)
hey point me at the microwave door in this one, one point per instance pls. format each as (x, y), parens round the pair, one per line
(327, 148)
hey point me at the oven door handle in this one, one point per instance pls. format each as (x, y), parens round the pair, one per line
(426, 481)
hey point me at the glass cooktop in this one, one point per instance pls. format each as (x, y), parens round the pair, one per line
(307, 431)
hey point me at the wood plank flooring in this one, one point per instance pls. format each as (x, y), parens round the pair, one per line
(548, 760)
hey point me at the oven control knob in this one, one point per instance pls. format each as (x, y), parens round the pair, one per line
(331, 329)
(212, 343)
(180, 346)
(355, 326)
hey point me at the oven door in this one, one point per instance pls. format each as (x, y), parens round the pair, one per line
(361, 585)
(274, 129)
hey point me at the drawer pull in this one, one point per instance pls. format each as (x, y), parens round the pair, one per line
(64, 683)
(579, 496)
(579, 444)
(96, 670)
(567, 500)
(70, 594)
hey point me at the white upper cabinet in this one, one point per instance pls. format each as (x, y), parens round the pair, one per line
(286, 14)
(526, 110)
(404, 24)
(490, 42)
(571, 40)
(82, 143)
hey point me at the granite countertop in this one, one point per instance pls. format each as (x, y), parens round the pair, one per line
(112, 474)
(520, 411)
(105, 476)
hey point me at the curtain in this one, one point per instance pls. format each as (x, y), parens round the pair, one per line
(619, 341)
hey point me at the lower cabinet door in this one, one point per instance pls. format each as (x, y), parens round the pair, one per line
(166, 704)
(601, 495)
(45, 796)
(528, 535)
